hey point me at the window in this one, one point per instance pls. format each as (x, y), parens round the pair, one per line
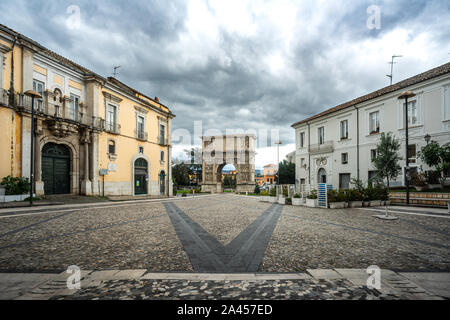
(412, 113)
(140, 124)
(446, 103)
(162, 133)
(141, 149)
(74, 107)
(162, 156)
(344, 180)
(111, 147)
(373, 154)
(321, 135)
(111, 117)
(302, 139)
(302, 181)
(412, 153)
(39, 87)
(344, 129)
(373, 176)
(344, 158)
(302, 162)
(374, 122)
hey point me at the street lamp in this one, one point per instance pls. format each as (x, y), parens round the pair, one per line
(427, 138)
(278, 164)
(405, 95)
(33, 95)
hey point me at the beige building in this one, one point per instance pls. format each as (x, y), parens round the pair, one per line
(85, 126)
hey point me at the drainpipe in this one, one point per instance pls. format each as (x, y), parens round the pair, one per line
(309, 154)
(11, 81)
(357, 143)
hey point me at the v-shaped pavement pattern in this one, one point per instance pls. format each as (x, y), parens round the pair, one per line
(243, 254)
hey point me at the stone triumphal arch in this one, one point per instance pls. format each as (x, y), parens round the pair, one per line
(218, 151)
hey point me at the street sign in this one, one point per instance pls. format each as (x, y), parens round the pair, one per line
(103, 172)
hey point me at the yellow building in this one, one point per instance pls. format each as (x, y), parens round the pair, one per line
(85, 126)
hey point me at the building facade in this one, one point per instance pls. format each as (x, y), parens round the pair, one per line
(92, 135)
(339, 143)
(269, 173)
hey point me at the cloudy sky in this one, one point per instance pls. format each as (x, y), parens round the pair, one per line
(256, 64)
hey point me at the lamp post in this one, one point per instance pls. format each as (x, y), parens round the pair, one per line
(33, 95)
(278, 164)
(405, 95)
(427, 138)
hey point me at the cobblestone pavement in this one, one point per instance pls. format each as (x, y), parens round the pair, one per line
(142, 235)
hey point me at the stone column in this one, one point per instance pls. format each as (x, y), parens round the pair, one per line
(86, 185)
(39, 184)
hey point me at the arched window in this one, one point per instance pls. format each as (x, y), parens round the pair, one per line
(111, 147)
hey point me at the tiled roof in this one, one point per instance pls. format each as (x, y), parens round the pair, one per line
(430, 74)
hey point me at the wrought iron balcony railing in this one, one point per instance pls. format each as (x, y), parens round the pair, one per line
(326, 147)
(57, 111)
(141, 135)
(112, 127)
(162, 140)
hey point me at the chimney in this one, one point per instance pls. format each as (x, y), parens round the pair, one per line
(156, 99)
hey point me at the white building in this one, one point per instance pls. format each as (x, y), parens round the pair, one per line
(337, 145)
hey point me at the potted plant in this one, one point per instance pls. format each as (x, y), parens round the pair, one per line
(311, 199)
(355, 198)
(297, 200)
(288, 201)
(334, 200)
(264, 196)
(15, 189)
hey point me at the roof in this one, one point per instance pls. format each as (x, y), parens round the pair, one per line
(427, 75)
(79, 68)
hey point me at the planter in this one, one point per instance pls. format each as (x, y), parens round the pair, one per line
(337, 205)
(366, 203)
(345, 204)
(375, 203)
(387, 202)
(355, 204)
(297, 201)
(311, 203)
(2, 190)
(272, 199)
(282, 200)
(420, 188)
(15, 197)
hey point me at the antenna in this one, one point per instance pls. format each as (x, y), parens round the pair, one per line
(392, 66)
(115, 73)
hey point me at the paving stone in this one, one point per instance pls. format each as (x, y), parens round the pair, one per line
(324, 274)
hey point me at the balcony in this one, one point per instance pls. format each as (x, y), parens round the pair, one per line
(112, 127)
(162, 140)
(59, 111)
(326, 147)
(141, 135)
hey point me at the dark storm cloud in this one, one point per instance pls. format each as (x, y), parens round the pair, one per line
(233, 78)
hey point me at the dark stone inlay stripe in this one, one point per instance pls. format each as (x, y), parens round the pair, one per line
(242, 254)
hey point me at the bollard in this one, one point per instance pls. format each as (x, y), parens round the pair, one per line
(193, 193)
(246, 193)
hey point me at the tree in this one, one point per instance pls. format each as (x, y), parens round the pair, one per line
(387, 160)
(180, 173)
(438, 157)
(286, 173)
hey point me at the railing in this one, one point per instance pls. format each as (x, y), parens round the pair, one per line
(326, 147)
(57, 111)
(112, 127)
(141, 135)
(162, 140)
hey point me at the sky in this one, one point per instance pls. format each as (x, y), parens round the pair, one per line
(253, 65)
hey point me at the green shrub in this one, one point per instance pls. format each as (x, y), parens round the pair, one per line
(312, 195)
(341, 196)
(273, 192)
(332, 196)
(354, 195)
(297, 196)
(264, 193)
(285, 192)
(16, 185)
(288, 201)
(257, 190)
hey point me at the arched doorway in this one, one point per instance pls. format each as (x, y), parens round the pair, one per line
(56, 168)
(140, 176)
(162, 182)
(226, 176)
(322, 176)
